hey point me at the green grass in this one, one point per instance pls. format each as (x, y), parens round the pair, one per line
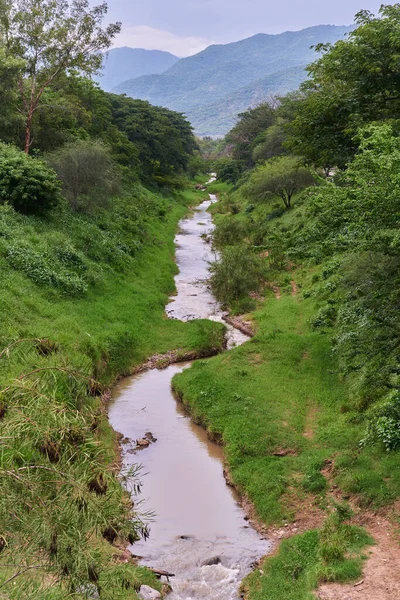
(283, 413)
(281, 391)
(120, 320)
(332, 554)
(93, 289)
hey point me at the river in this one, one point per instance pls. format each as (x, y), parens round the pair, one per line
(197, 517)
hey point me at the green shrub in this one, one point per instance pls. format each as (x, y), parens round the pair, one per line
(384, 425)
(324, 318)
(237, 273)
(87, 172)
(43, 269)
(229, 232)
(26, 183)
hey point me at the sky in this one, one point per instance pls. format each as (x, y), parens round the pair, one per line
(185, 27)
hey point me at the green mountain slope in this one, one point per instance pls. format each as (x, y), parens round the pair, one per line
(126, 63)
(255, 68)
(216, 118)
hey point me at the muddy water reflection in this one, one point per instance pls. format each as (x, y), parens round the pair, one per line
(198, 517)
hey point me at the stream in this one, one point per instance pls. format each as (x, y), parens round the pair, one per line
(199, 531)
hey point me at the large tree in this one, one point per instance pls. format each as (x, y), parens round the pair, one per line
(355, 82)
(280, 177)
(51, 38)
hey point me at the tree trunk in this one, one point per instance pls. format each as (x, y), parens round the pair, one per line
(28, 132)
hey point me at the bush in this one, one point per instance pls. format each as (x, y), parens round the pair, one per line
(87, 172)
(43, 269)
(26, 183)
(384, 425)
(228, 233)
(237, 273)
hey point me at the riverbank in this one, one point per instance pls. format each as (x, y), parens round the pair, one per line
(84, 306)
(282, 413)
(199, 532)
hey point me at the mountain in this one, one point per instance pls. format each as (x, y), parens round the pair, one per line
(213, 86)
(121, 64)
(218, 118)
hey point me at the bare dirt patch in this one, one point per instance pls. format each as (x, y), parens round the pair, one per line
(294, 288)
(381, 578)
(310, 423)
(277, 291)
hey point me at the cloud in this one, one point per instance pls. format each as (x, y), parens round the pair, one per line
(157, 39)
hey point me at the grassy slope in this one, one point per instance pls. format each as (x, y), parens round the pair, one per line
(120, 320)
(106, 331)
(281, 391)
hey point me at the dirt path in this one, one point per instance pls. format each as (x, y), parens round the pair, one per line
(381, 578)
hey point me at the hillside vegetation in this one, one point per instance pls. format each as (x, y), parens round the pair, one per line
(220, 82)
(91, 190)
(308, 410)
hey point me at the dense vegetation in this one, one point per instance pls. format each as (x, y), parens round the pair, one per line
(91, 189)
(309, 410)
(86, 268)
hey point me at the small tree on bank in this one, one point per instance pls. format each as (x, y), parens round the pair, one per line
(87, 172)
(282, 177)
(51, 38)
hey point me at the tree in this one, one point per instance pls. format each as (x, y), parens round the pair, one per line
(26, 183)
(270, 142)
(227, 169)
(243, 136)
(164, 138)
(87, 172)
(354, 83)
(52, 37)
(10, 70)
(281, 177)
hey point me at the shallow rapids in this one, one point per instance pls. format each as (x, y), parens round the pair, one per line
(198, 519)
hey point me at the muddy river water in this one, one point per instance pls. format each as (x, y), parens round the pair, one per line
(198, 531)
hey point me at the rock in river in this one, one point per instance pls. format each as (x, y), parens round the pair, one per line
(148, 593)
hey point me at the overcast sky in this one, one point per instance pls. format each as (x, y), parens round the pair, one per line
(185, 27)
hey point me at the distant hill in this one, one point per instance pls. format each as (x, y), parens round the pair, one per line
(121, 64)
(218, 118)
(212, 87)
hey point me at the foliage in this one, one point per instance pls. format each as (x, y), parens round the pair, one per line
(237, 273)
(197, 165)
(384, 423)
(29, 185)
(244, 135)
(304, 561)
(163, 138)
(229, 233)
(281, 177)
(352, 84)
(64, 503)
(52, 37)
(87, 172)
(270, 142)
(227, 170)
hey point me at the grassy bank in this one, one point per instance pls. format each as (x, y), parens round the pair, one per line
(291, 434)
(83, 299)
